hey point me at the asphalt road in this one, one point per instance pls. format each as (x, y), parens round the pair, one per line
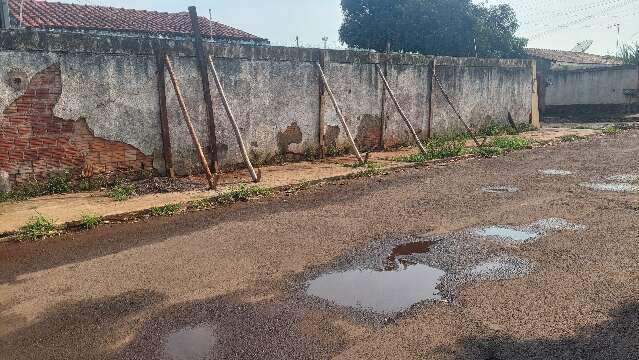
(229, 282)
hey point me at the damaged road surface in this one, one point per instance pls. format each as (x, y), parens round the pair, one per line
(524, 256)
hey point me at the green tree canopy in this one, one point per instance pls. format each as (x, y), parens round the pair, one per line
(434, 27)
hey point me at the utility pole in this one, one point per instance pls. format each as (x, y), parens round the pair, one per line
(325, 40)
(297, 41)
(4, 14)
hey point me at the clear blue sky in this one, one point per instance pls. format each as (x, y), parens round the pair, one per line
(555, 24)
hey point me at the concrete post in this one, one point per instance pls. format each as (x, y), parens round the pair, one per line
(4, 14)
(534, 111)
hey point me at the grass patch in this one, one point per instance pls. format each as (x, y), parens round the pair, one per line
(371, 169)
(242, 193)
(486, 151)
(610, 130)
(201, 204)
(510, 143)
(166, 210)
(122, 192)
(571, 138)
(37, 228)
(437, 148)
(90, 221)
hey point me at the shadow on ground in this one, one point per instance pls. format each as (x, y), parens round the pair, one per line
(135, 325)
(617, 338)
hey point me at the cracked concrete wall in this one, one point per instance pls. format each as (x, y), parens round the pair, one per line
(273, 91)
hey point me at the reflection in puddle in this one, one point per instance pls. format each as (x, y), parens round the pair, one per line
(379, 291)
(555, 172)
(400, 252)
(500, 189)
(507, 233)
(616, 187)
(191, 343)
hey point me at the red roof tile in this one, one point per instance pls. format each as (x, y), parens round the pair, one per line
(53, 15)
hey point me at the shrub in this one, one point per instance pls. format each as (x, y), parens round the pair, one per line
(38, 227)
(90, 221)
(59, 183)
(570, 138)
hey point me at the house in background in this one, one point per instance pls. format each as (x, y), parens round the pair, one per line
(569, 60)
(584, 87)
(54, 16)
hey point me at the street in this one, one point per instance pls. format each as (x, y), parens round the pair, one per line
(231, 282)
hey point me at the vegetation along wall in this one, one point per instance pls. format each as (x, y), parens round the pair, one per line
(90, 105)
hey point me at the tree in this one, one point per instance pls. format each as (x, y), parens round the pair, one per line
(434, 27)
(629, 54)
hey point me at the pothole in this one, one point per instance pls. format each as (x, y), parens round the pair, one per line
(390, 276)
(379, 291)
(192, 343)
(556, 172)
(612, 187)
(507, 234)
(500, 189)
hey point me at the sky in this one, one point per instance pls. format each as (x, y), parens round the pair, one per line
(552, 24)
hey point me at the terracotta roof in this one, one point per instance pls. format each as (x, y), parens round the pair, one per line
(53, 15)
(572, 57)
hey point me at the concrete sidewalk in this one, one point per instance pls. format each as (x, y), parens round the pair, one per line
(68, 208)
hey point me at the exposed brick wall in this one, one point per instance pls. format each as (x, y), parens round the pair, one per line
(35, 143)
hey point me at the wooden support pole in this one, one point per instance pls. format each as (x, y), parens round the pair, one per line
(431, 79)
(164, 119)
(189, 124)
(4, 14)
(206, 87)
(236, 128)
(399, 109)
(340, 115)
(322, 105)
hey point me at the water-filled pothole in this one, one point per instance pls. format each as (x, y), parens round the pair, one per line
(556, 172)
(508, 234)
(613, 187)
(500, 189)
(198, 342)
(379, 291)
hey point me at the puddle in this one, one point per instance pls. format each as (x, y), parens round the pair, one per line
(626, 178)
(614, 187)
(191, 343)
(398, 256)
(555, 172)
(379, 291)
(500, 189)
(507, 233)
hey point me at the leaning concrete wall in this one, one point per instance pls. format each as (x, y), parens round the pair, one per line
(595, 92)
(110, 84)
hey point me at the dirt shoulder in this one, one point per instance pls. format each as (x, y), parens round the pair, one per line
(122, 291)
